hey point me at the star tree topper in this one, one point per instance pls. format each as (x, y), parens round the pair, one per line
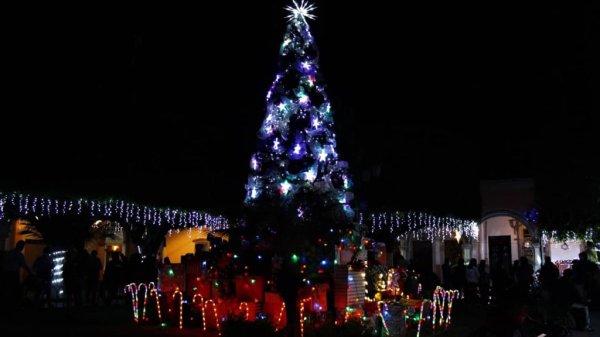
(303, 10)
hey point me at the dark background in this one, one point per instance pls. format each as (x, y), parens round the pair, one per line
(161, 104)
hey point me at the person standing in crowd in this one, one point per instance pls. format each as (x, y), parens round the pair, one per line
(43, 267)
(524, 276)
(591, 253)
(93, 267)
(459, 275)
(472, 278)
(484, 282)
(549, 274)
(447, 274)
(12, 263)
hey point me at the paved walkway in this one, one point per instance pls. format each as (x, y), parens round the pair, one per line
(595, 318)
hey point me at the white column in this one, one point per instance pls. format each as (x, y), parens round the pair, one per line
(537, 264)
(437, 256)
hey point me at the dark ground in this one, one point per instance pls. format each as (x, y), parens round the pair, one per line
(116, 321)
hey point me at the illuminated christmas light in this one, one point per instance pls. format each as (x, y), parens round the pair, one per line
(303, 99)
(310, 175)
(201, 309)
(297, 149)
(323, 155)
(177, 292)
(244, 306)
(38, 207)
(144, 318)
(281, 313)
(303, 11)
(302, 316)
(285, 187)
(316, 123)
(214, 306)
(154, 292)
(132, 288)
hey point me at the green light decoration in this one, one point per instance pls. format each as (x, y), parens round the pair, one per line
(171, 272)
(295, 258)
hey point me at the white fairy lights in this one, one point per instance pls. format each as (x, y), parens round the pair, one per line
(418, 226)
(28, 205)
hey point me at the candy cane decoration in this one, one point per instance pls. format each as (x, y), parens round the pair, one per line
(280, 316)
(302, 315)
(180, 306)
(215, 312)
(201, 309)
(144, 318)
(154, 292)
(245, 305)
(134, 300)
(451, 296)
(380, 305)
(437, 305)
(421, 319)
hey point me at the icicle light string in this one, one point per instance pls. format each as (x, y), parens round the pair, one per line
(28, 205)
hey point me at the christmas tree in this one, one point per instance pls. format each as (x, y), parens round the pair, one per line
(297, 151)
(298, 191)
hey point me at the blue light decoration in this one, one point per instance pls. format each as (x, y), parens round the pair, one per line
(297, 146)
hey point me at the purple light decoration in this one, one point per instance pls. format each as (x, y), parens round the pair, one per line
(298, 151)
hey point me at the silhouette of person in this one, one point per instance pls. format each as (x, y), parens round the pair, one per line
(12, 264)
(93, 267)
(43, 267)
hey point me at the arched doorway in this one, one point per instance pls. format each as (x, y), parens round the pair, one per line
(506, 236)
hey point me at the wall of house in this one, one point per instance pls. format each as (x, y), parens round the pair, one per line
(497, 226)
(182, 243)
(556, 252)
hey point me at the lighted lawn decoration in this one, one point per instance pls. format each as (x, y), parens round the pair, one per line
(154, 292)
(178, 292)
(144, 318)
(201, 308)
(281, 313)
(244, 306)
(303, 318)
(132, 288)
(440, 305)
(216, 316)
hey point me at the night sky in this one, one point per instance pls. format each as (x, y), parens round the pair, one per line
(161, 105)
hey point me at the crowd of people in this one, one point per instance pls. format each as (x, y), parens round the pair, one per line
(82, 279)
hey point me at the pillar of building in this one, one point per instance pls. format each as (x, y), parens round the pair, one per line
(438, 256)
(537, 263)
